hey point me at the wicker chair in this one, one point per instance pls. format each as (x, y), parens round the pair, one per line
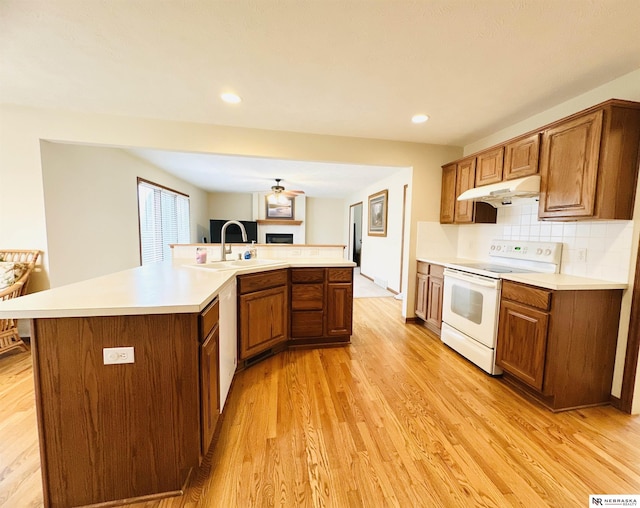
(9, 336)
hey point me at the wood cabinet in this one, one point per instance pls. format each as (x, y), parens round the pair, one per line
(457, 178)
(589, 164)
(489, 166)
(521, 157)
(263, 312)
(559, 346)
(339, 302)
(209, 374)
(465, 180)
(429, 286)
(321, 305)
(434, 305)
(121, 431)
(448, 194)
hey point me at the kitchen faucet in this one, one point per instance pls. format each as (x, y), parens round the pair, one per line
(224, 250)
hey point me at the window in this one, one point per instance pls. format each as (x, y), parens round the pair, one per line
(163, 215)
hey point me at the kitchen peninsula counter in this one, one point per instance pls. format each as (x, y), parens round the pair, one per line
(159, 288)
(128, 370)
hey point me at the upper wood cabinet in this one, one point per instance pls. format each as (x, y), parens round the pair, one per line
(465, 180)
(457, 178)
(589, 164)
(521, 157)
(448, 194)
(489, 166)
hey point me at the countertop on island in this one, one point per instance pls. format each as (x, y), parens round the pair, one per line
(159, 288)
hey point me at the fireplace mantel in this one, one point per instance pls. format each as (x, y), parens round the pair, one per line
(279, 222)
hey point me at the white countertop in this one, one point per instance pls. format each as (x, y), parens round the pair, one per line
(555, 281)
(563, 282)
(159, 288)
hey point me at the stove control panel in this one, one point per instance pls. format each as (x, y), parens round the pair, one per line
(544, 252)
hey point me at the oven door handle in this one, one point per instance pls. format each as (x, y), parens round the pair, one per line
(488, 283)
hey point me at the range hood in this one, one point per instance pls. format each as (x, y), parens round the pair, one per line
(505, 193)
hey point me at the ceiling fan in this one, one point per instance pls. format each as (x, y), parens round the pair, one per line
(278, 189)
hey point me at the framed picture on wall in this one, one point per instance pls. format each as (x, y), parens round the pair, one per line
(378, 213)
(280, 207)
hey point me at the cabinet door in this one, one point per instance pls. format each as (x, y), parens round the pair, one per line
(209, 388)
(448, 194)
(522, 342)
(569, 167)
(434, 305)
(489, 167)
(422, 295)
(521, 157)
(263, 320)
(339, 309)
(465, 180)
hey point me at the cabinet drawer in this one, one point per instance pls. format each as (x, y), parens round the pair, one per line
(307, 275)
(307, 296)
(423, 268)
(436, 270)
(340, 274)
(307, 324)
(527, 295)
(209, 319)
(263, 280)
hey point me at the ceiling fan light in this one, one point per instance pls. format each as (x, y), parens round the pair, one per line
(272, 199)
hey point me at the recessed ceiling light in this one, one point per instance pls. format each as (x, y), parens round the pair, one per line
(419, 118)
(230, 98)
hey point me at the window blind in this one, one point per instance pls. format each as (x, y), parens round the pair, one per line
(164, 219)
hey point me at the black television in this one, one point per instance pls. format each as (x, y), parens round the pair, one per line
(233, 234)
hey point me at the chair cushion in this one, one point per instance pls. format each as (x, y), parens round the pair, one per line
(10, 272)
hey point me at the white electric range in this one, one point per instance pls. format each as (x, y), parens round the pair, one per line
(471, 298)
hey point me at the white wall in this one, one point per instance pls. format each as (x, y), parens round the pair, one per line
(230, 205)
(22, 214)
(381, 256)
(324, 222)
(91, 204)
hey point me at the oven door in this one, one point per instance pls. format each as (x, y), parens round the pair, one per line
(471, 305)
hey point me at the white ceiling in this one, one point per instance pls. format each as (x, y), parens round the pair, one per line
(350, 67)
(224, 173)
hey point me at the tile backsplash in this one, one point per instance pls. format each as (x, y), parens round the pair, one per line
(597, 249)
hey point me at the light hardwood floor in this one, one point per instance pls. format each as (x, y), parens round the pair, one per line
(395, 419)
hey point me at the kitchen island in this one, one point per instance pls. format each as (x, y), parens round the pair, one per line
(125, 370)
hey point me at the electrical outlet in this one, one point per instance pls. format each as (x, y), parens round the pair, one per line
(581, 255)
(116, 355)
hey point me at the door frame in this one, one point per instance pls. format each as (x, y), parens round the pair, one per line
(633, 345)
(351, 241)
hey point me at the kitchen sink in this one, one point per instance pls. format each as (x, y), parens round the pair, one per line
(236, 264)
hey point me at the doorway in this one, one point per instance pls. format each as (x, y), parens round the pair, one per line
(355, 233)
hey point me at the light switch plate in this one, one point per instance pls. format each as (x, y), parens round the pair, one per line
(116, 355)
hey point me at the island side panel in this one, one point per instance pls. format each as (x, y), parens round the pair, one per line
(111, 432)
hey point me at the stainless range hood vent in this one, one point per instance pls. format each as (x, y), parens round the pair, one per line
(520, 191)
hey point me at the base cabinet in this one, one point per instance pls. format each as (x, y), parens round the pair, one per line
(209, 375)
(116, 432)
(321, 305)
(429, 287)
(263, 312)
(559, 346)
